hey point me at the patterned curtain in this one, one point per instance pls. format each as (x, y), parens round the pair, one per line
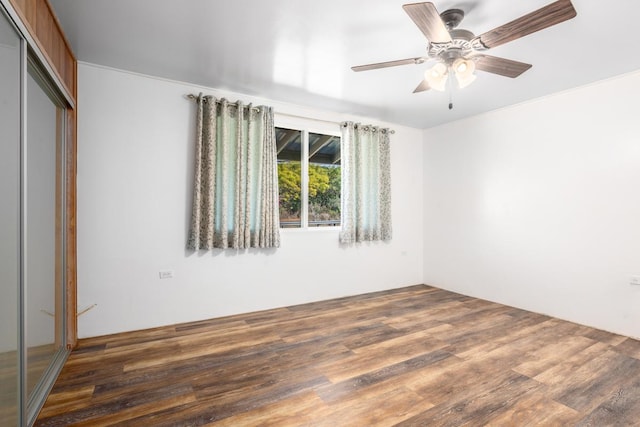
(366, 183)
(235, 194)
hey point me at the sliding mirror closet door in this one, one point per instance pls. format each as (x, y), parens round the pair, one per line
(10, 61)
(33, 225)
(44, 235)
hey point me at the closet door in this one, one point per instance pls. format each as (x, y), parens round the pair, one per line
(44, 235)
(10, 116)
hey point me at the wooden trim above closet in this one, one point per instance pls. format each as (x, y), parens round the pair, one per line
(43, 26)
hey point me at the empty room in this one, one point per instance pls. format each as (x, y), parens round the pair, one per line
(335, 213)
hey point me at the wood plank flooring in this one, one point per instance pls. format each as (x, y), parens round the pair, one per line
(416, 356)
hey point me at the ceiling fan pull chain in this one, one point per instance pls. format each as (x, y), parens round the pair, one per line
(450, 89)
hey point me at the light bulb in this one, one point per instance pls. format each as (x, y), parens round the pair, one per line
(436, 76)
(438, 70)
(464, 69)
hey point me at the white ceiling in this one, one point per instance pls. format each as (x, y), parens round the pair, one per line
(301, 51)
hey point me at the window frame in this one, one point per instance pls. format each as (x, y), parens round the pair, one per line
(307, 126)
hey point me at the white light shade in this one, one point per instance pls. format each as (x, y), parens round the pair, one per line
(464, 69)
(436, 76)
(465, 81)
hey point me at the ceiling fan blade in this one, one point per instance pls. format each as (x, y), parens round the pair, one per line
(377, 65)
(422, 87)
(501, 66)
(540, 19)
(427, 18)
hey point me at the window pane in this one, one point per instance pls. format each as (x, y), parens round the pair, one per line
(324, 180)
(289, 146)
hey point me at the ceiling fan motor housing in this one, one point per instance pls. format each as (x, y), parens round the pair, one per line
(452, 18)
(462, 45)
(462, 35)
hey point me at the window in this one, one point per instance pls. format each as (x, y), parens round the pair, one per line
(309, 178)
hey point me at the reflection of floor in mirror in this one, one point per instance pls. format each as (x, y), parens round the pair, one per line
(9, 387)
(38, 360)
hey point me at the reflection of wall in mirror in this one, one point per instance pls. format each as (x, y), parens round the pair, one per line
(9, 188)
(41, 215)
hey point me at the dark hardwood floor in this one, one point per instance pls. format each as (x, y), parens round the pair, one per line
(416, 356)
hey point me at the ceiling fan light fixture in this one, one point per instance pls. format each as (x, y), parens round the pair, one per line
(436, 76)
(460, 65)
(464, 69)
(465, 81)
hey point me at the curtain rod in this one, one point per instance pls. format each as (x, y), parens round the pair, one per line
(235, 104)
(342, 124)
(359, 125)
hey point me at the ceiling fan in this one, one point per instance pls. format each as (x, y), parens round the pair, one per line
(460, 52)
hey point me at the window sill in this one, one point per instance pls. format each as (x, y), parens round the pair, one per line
(311, 230)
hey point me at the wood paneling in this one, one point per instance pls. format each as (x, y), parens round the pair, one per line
(71, 264)
(410, 356)
(60, 267)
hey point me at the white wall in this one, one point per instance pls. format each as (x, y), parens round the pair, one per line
(135, 150)
(538, 205)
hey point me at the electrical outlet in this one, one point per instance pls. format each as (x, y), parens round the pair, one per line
(166, 274)
(634, 280)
